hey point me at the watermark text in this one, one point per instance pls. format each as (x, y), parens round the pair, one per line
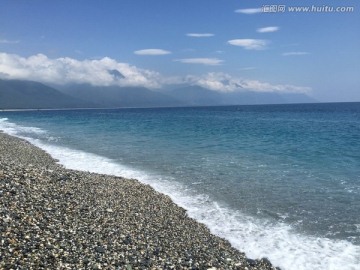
(306, 9)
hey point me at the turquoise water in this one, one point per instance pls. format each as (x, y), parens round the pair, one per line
(272, 179)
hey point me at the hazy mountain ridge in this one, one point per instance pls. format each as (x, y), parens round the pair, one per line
(199, 96)
(116, 96)
(18, 94)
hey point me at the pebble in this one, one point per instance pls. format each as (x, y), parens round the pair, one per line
(100, 249)
(54, 218)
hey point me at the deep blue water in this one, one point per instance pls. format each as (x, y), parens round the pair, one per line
(272, 179)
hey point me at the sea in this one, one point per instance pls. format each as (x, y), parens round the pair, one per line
(276, 181)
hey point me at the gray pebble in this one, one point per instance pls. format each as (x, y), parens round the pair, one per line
(53, 218)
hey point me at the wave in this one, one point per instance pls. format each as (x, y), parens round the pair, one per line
(257, 238)
(17, 130)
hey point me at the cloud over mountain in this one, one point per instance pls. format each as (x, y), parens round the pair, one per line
(223, 82)
(109, 72)
(68, 70)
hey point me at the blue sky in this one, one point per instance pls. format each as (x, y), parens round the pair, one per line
(212, 43)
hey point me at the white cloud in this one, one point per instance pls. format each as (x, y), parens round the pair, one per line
(200, 35)
(268, 29)
(68, 70)
(152, 52)
(215, 81)
(249, 10)
(267, 87)
(223, 82)
(248, 68)
(6, 41)
(294, 53)
(249, 44)
(203, 61)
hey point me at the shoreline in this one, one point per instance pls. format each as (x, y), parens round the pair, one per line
(60, 218)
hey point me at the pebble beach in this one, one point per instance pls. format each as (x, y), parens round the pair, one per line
(55, 218)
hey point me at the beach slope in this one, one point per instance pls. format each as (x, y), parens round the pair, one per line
(54, 218)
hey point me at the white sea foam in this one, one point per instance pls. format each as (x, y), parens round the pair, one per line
(13, 129)
(258, 238)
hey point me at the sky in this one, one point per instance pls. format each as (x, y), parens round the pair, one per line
(223, 45)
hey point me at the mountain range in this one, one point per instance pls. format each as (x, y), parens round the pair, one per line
(19, 94)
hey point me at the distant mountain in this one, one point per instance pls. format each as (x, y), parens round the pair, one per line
(18, 94)
(116, 74)
(250, 97)
(116, 96)
(199, 96)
